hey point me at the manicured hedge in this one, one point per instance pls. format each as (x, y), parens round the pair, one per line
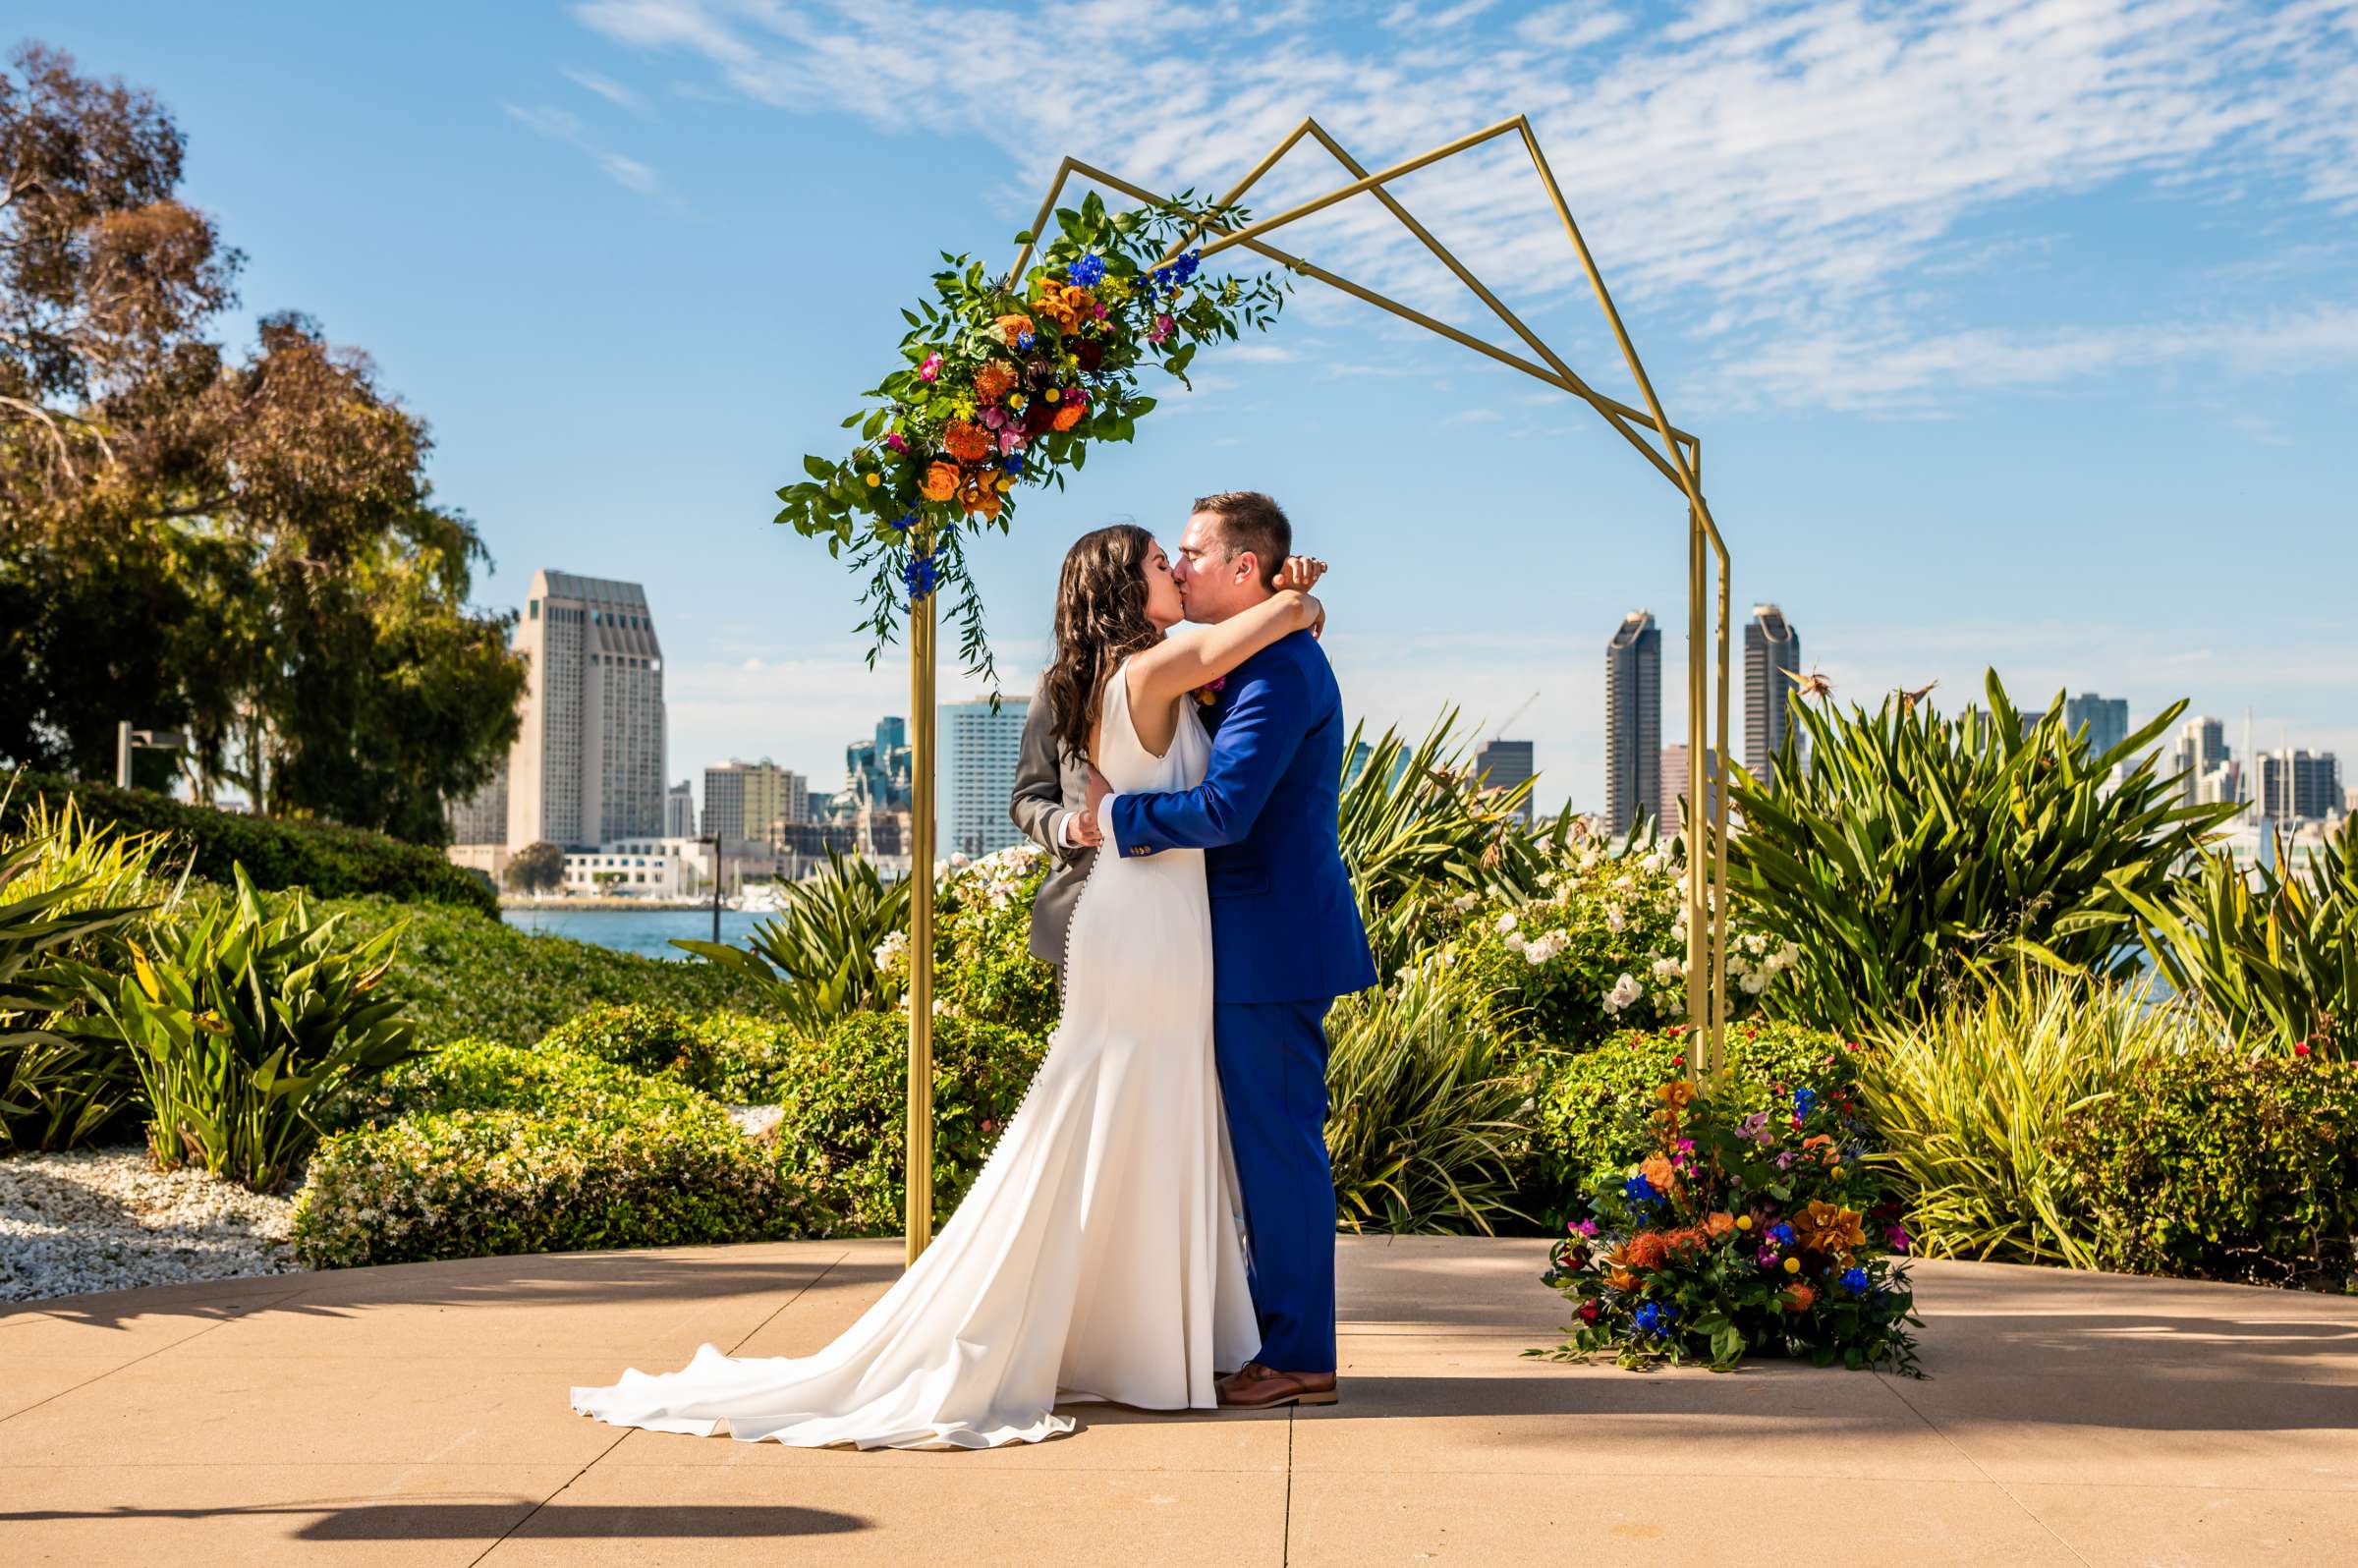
(329, 860)
(497, 1183)
(737, 1058)
(2224, 1166)
(845, 1135)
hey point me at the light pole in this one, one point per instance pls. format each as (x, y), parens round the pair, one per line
(713, 839)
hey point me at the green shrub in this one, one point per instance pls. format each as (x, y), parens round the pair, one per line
(1918, 859)
(1972, 1105)
(750, 1060)
(826, 954)
(498, 1183)
(326, 860)
(1427, 1110)
(644, 1038)
(1582, 1117)
(467, 977)
(2222, 1165)
(845, 1134)
(243, 1025)
(484, 1075)
(2269, 954)
(983, 966)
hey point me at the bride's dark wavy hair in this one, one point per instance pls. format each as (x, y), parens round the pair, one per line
(1100, 621)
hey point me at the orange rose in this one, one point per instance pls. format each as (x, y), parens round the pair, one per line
(968, 443)
(1068, 416)
(1660, 1171)
(1011, 328)
(941, 481)
(994, 381)
(1720, 1224)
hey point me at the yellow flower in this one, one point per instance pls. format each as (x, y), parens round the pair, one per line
(1743, 1222)
(875, 479)
(1792, 1266)
(1051, 394)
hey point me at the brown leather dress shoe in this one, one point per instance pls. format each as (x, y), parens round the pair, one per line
(1259, 1387)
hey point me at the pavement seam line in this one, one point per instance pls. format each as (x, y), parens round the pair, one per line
(1285, 1538)
(590, 1462)
(218, 1322)
(1959, 1449)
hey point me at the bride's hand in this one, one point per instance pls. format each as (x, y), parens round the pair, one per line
(1301, 572)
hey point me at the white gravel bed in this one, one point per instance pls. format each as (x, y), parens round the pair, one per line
(107, 1219)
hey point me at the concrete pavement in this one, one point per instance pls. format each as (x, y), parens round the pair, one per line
(418, 1416)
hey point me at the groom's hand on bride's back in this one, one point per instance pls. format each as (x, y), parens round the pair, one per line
(1099, 788)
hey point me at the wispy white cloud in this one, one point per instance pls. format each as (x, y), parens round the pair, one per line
(606, 87)
(1766, 175)
(628, 172)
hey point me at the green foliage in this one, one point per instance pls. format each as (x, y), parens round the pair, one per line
(826, 953)
(465, 976)
(1972, 1103)
(324, 859)
(2224, 1166)
(845, 1135)
(652, 1172)
(1589, 1105)
(2271, 954)
(242, 1024)
(72, 895)
(1419, 830)
(1919, 859)
(1069, 352)
(484, 1075)
(1426, 1110)
(983, 963)
(1738, 1233)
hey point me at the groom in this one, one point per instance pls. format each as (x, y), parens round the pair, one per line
(1286, 938)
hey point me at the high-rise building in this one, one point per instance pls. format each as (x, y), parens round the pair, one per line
(2103, 721)
(1771, 658)
(588, 766)
(1503, 764)
(752, 801)
(1670, 814)
(2200, 755)
(1633, 722)
(679, 810)
(2309, 790)
(1357, 762)
(483, 818)
(980, 750)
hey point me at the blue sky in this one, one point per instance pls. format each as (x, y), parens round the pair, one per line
(2017, 333)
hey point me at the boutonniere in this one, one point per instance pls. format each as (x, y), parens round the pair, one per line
(1209, 691)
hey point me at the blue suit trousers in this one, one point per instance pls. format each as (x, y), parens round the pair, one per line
(1272, 1064)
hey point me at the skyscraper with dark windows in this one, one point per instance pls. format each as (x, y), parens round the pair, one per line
(1633, 720)
(1771, 659)
(587, 765)
(2103, 721)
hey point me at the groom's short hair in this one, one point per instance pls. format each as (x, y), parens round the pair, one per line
(1251, 521)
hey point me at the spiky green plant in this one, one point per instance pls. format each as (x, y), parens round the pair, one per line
(819, 955)
(1971, 1105)
(245, 1025)
(1426, 1112)
(2269, 953)
(1917, 859)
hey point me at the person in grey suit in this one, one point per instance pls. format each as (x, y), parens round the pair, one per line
(1046, 805)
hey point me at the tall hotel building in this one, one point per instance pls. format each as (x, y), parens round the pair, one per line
(1770, 647)
(1633, 720)
(588, 768)
(979, 751)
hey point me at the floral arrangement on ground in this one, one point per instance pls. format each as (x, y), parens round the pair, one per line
(1768, 1234)
(1005, 382)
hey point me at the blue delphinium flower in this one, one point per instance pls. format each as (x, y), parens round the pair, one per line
(1803, 1099)
(1174, 277)
(1014, 462)
(1654, 1318)
(1854, 1280)
(1638, 1190)
(1782, 1234)
(905, 522)
(919, 576)
(1085, 272)
(1024, 341)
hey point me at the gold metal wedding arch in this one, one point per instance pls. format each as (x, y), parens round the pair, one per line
(1674, 453)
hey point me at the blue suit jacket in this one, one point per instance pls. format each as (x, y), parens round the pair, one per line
(1286, 927)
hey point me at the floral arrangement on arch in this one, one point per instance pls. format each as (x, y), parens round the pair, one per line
(1769, 1233)
(1005, 384)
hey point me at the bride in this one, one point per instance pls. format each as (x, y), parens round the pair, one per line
(1097, 1256)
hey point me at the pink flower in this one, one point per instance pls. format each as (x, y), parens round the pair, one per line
(1587, 1227)
(992, 418)
(1163, 327)
(1011, 441)
(895, 442)
(931, 369)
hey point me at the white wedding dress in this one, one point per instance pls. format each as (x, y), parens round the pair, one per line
(1096, 1257)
